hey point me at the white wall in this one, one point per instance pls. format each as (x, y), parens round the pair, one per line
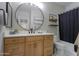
(51, 8)
(72, 6)
(1, 43)
(47, 8)
(2, 6)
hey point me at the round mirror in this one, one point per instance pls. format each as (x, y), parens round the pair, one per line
(29, 16)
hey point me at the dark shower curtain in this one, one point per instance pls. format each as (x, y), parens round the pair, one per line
(69, 25)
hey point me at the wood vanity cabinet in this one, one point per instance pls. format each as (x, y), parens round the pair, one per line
(29, 45)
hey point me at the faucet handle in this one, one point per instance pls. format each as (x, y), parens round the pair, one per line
(31, 29)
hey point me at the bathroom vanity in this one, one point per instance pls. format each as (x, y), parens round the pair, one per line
(29, 17)
(28, 44)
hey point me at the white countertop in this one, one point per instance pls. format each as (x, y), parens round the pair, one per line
(27, 34)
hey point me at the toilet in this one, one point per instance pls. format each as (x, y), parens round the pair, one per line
(63, 48)
(59, 49)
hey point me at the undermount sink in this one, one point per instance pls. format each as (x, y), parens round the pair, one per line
(26, 34)
(22, 32)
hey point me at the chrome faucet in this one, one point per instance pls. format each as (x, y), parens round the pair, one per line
(31, 30)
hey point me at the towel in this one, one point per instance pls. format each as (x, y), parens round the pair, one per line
(77, 43)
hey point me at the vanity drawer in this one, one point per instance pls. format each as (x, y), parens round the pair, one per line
(36, 38)
(13, 40)
(48, 37)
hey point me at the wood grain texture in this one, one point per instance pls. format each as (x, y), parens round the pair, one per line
(14, 46)
(48, 45)
(28, 46)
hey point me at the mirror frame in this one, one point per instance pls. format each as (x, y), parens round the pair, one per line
(30, 21)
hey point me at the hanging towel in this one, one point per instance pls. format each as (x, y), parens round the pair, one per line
(77, 44)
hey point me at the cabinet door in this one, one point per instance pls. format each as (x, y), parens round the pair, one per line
(34, 46)
(48, 51)
(9, 49)
(48, 45)
(14, 46)
(28, 46)
(19, 50)
(29, 49)
(38, 45)
(38, 48)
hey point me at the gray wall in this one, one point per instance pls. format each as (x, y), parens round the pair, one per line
(72, 6)
(48, 8)
(2, 6)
